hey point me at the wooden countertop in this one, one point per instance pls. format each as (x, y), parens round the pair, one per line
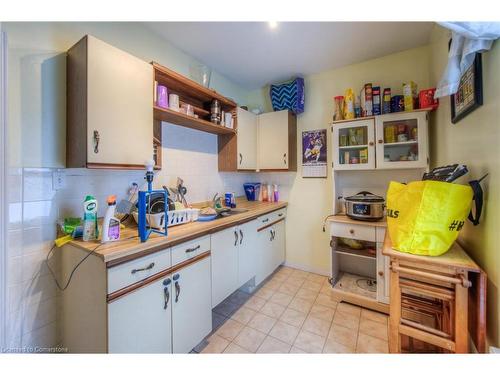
(456, 257)
(130, 247)
(344, 219)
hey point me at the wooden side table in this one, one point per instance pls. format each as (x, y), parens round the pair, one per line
(443, 279)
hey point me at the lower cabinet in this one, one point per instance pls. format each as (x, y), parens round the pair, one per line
(191, 306)
(141, 322)
(247, 251)
(172, 314)
(271, 250)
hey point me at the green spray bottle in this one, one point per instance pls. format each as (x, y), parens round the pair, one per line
(90, 229)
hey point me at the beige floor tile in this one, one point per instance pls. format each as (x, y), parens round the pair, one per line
(320, 279)
(299, 273)
(288, 289)
(232, 348)
(349, 309)
(285, 270)
(317, 326)
(281, 298)
(373, 315)
(322, 312)
(230, 329)
(272, 309)
(369, 344)
(309, 342)
(295, 281)
(345, 336)
(262, 323)
(326, 288)
(264, 293)
(300, 304)
(295, 350)
(306, 294)
(284, 332)
(346, 320)
(312, 286)
(293, 317)
(273, 284)
(326, 300)
(249, 339)
(243, 315)
(279, 277)
(255, 303)
(273, 346)
(372, 328)
(335, 347)
(216, 344)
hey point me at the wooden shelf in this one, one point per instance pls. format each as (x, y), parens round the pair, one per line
(364, 253)
(178, 118)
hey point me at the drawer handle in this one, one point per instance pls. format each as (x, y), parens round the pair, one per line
(265, 220)
(142, 269)
(280, 215)
(241, 236)
(351, 231)
(192, 249)
(380, 273)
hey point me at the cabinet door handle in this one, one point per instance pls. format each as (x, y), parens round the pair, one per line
(271, 233)
(284, 158)
(380, 141)
(370, 143)
(380, 273)
(177, 287)
(235, 238)
(241, 236)
(147, 268)
(241, 158)
(96, 141)
(351, 231)
(265, 220)
(274, 234)
(280, 215)
(192, 249)
(166, 293)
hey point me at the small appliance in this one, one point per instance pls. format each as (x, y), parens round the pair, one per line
(365, 206)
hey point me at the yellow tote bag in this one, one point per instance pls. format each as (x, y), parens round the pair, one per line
(424, 217)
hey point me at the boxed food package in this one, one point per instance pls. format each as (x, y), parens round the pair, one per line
(410, 96)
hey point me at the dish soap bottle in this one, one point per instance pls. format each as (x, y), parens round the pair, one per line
(90, 230)
(110, 225)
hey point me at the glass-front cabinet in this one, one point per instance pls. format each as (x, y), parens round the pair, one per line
(402, 140)
(396, 140)
(354, 145)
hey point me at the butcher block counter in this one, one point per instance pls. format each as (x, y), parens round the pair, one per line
(130, 247)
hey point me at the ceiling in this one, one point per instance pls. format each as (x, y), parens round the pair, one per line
(252, 54)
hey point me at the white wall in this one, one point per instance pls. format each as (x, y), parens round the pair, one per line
(36, 127)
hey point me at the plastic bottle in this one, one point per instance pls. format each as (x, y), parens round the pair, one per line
(90, 230)
(265, 196)
(110, 225)
(276, 194)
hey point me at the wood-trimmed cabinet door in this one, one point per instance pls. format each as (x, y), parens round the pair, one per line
(191, 305)
(224, 257)
(383, 275)
(354, 145)
(141, 322)
(246, 140)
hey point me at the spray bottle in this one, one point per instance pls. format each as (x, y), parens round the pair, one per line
(110, 225)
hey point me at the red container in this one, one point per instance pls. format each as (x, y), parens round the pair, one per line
(426, 99)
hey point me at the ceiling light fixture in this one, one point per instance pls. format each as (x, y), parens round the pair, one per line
(273, 24)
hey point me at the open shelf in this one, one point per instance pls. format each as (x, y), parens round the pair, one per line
(396, 144)
(364, 253)
(179, 118)
(352, 147)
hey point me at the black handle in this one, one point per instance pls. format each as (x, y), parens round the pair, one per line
(177, 287)
(265, 220)
(151, 265)
(235, 238)
(241, 236)
(271, 232)
(274, 233)
(280, 215)
(284, 158)
(192, 249)
(96, 141)
(166, 293)
(241, 158)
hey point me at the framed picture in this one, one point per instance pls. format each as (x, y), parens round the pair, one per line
(469, 95)
(314, 152)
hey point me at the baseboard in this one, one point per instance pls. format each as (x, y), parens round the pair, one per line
(319, 271)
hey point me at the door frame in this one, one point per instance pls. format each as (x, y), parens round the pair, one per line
(3, 195)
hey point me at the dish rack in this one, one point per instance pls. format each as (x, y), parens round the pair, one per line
(176, 217)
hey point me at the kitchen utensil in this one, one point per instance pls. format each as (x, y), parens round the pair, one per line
(207, 217)
(365, 206)
(182, 191)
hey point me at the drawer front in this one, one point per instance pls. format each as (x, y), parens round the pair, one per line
(137, 270)
(188, 250)
(277, 215)
(271, 217)
(353, 231)
(380, 234)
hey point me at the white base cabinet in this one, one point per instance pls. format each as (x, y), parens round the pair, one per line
(271, 250)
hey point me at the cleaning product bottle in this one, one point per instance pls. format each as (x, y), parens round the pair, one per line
(110, 225)
(265, 196)
(276, 193)
(90, 230)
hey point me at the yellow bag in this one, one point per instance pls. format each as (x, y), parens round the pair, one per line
(424, 217)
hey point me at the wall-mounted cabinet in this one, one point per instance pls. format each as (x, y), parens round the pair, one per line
(392, 141)
(108, 107)
(247, 140)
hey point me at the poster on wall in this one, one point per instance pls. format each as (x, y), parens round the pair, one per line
(314, 153)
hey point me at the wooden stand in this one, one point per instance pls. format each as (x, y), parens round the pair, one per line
(442, 283)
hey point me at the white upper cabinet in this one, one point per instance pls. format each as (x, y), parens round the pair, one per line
(402, 140)
(391, 141)
(110, 107)
(277, 141)
(247, 140)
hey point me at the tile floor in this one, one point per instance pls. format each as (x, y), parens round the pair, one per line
(294, 312)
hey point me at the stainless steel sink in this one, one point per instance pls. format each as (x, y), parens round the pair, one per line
(232, 212)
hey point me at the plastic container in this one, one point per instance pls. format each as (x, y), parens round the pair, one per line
(175, 217)
(110, 225)
(252, 190)
(90, 229)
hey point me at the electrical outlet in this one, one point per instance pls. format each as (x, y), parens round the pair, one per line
(58, 179)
